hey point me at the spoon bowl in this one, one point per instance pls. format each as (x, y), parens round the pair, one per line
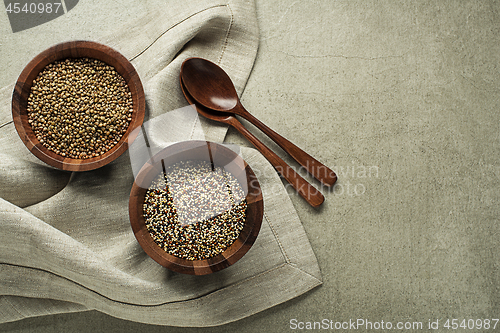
(219, 95)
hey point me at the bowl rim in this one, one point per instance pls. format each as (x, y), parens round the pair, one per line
(76, 49)
(247, 237)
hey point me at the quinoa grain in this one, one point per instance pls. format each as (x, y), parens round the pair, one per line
(194, 212)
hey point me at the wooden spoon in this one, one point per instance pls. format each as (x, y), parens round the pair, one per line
(305, 190)
(211, 87)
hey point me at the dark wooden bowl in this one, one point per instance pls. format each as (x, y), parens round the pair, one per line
(75, 49)
(220, 156)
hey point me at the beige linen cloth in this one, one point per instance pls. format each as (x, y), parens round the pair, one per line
(66, 244)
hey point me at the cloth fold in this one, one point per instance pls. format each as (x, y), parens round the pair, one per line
(66, 243)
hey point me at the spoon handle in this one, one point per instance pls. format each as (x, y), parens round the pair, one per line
(320, 171)
(312, 195)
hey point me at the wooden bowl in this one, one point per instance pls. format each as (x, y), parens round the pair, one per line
(75, 49)
(220, 156)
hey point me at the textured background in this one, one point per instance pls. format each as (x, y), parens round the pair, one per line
(401, 99)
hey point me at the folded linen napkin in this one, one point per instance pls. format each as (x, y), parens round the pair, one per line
(66, 243)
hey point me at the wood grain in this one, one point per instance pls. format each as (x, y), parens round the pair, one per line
(75, 49)
(221, 156)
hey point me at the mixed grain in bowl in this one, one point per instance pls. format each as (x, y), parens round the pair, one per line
(195, 211)
(196, 207)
